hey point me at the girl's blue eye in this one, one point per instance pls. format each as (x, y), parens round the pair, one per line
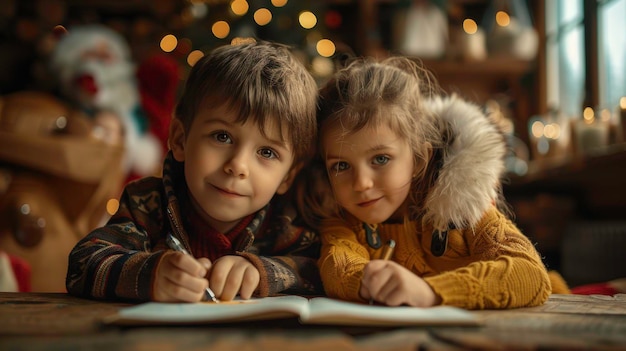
(381, 160)
(222, 137)
(339, 167)
(268, 153)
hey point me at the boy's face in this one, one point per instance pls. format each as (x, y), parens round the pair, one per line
(370, 171)
(231, 169)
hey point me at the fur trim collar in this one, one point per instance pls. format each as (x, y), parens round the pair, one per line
(469, 178)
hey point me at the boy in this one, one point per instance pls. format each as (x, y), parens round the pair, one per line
(242, 129)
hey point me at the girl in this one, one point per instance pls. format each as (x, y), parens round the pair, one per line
(424, 171)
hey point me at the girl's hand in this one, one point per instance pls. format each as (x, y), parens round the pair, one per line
(180, 278)
(232, 275)
(391, 284)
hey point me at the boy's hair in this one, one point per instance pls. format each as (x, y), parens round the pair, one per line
(259, 80)
(367, 93)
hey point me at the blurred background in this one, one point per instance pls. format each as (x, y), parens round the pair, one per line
(552, 73)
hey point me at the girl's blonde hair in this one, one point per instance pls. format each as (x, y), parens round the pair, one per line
(368, 93)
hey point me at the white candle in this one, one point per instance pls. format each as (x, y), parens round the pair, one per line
(472, 42)
(591, 136)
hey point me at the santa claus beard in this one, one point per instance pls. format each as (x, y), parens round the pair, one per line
(99, 85)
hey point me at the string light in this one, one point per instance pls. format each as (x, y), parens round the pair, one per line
(262, 16)
(194, 56)
(169, 43)
(470, 26)
(502, 19)
(112, 206)
(220, 29)
(239, 7)
(307, 19)
(279, 3)
(325, 48)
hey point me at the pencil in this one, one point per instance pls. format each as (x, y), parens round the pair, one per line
(175, 245)
(386, 255)
(388, 250)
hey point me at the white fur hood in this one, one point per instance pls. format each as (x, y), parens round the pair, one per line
(473, 163)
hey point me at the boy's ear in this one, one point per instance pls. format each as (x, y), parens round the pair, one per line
(176, 139)
(289, 178)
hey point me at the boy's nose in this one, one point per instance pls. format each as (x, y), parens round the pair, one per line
(237, 166)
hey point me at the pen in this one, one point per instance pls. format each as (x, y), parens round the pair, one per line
(175, 245)
(386, 255)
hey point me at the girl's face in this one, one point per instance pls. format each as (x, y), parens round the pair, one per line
(370, 171)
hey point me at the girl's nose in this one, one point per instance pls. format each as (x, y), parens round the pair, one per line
(362, 180)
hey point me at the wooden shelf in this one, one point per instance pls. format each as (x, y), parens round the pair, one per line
(595, 181)
(501, 67)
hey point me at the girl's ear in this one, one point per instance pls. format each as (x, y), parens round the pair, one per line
(289, 178)
(176, 139)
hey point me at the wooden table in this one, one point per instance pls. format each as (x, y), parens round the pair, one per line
(46, 321)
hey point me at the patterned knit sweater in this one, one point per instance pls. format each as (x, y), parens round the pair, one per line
(492, 267)
(485, 263)
(119, 260)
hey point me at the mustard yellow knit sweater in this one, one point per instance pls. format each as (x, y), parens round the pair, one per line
(493, 266)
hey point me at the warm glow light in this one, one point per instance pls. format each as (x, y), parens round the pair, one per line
(307, 19)
(588, 115)
(112, 206)
(470, 26)
(242, 40)
(322, 66)
(605, 115)
(552, 131)
(537, 129)
(622, 103)
(502, 18)
(279, 3)
(220, 29)
(239, 7)
(168, 43)
(325, 48)
(194, 56)
(262, 16)
(198, 9)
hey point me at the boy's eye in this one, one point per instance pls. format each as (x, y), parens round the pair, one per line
(339, 167)
(381, 160)
(222, 137)
(268, 153)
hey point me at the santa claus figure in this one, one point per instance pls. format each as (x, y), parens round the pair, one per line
(97, 74)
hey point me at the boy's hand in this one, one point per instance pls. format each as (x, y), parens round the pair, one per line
(391, 284)
(231, 275)
(180, 277)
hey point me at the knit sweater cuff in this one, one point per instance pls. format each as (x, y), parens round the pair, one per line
(454, 291)
(263, 290)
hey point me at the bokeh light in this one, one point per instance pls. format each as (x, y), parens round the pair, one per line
(239, 7)
(307, 19)
(220, 29)
(325, 48)
(470, 26)
(193, 57)
(168, 43)
(262, 16)
(112, 206)
(503, 19)
(279, 3)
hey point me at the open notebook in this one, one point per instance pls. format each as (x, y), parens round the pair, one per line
(318, 310)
